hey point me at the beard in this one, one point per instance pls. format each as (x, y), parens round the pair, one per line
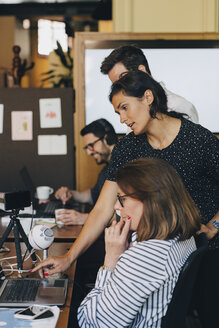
(103, 157)
(101, 162)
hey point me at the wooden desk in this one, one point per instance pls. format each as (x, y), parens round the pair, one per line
(63, 241)
(64, 234)
(67, 233)
(55, 249)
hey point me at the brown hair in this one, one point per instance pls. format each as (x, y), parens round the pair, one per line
(168, 208)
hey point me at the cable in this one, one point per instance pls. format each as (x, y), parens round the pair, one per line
(11, 265)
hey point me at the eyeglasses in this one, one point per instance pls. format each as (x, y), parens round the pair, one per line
(90, 146)
(121, 198)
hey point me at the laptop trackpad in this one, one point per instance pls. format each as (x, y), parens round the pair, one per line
(52, 295)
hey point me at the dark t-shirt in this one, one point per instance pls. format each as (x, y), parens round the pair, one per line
(194, 154)
(95, 191)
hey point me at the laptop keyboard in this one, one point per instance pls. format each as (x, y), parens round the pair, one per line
(22, 290)
(51, 207)
(48, 210)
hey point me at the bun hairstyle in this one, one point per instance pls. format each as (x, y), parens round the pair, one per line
(101, 128)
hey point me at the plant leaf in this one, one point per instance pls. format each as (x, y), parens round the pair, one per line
(48, 78)
(49, 72)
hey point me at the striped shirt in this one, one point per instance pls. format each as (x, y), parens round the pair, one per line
(137, 293)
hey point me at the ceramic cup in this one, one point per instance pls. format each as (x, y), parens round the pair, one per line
(43, 192)
(57, 215)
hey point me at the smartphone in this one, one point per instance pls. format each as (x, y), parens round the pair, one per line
(34, 312)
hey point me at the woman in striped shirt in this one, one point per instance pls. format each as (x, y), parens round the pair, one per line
(135, 285)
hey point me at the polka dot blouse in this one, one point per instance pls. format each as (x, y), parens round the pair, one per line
(194, 154)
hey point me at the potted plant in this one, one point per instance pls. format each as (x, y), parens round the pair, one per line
(61, 75)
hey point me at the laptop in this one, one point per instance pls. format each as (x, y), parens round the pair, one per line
(48, 209)
(22, 292)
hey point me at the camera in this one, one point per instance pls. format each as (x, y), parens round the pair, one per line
(17, 200)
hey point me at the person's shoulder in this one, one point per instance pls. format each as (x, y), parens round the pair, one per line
(103, 173)
(178, 100)
(152, 248)
(197, 129)
(180, 104)
(104, 169)
(146, 256)
(130, 138)
(157, 244)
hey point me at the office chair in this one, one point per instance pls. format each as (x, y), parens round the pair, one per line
(178, 309)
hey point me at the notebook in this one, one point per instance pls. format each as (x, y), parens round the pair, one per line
(22, 292)
(48, 209)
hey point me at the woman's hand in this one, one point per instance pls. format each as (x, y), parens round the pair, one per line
(209, 230)
(71, 217)
(52, 265)
(116, 241)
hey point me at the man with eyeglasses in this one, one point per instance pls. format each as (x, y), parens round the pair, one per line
(99, 138)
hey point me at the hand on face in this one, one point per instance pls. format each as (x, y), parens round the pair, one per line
(63, 194)
(116, 241)
(71, 217)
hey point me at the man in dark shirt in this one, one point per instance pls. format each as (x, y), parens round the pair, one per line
(99, 139)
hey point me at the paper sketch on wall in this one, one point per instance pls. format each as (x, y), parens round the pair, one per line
(22, 125)
(50, 113)
(52, 144)
(1, 117)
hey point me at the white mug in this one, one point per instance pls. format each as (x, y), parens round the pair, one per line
(57, 215)
(43, 192)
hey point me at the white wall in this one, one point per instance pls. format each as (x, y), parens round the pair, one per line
(191, 73)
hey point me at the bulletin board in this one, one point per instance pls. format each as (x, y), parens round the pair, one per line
(52, 170)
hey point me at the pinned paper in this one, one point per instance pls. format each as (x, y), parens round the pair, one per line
(52, 145)
(22, 125)
(50, 113)
(1, 117)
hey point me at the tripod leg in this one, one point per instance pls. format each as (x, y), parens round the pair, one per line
(26, 241)
(2, 240)
(6, 233)
(18, 247)
(2, 275)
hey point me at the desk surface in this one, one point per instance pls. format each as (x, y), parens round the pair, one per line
(64, 234)
(55, 249)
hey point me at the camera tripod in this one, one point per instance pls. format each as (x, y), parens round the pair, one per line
(18, 229)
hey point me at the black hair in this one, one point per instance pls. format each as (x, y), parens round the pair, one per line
(101, 128)
(130, 56)
(135, 83)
